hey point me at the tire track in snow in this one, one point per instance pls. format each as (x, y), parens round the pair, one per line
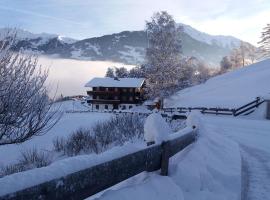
(255, 174)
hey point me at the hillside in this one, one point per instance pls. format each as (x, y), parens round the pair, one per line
(127, 47)
(228, 90)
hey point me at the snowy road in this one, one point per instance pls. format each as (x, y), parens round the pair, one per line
(253, 137)
(256, 174)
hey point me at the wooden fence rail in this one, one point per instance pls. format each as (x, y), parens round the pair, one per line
(243, 110)
(85, 183)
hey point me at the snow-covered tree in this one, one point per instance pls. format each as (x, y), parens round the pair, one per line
(110, 73)
(121, 72)
(136, 72)
(265, 42)
(25, 108)
(163, 54)
(225, 64)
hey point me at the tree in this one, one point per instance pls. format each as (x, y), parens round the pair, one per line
(136, 72)
(236, 58)
(163, 54)
(265, 42)
(121, 72)
(25, 108)
(110, 73)
(225, 64)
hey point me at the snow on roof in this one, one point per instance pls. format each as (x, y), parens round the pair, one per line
(112, 82)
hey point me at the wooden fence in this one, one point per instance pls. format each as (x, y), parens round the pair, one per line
(243, 110)
(82, 184)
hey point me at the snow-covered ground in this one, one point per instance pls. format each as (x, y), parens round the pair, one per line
(230, 160)
(228, 90)
(67, 124)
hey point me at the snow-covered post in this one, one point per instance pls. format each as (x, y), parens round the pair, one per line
(156, 130)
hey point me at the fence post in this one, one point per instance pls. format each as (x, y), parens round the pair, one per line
(165, 155)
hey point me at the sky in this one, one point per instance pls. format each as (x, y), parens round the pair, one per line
(80, 19)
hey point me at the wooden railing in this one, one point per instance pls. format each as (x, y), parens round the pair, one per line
(85, 183)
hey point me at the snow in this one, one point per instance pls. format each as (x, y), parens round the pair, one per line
(95, 48)
(69, 122)
(132, 54)
(20, 181)
(111, 82)
(24, 34)
(156, 129)
(209, 169)
(66, 40)
(229, 90)
(220, 40)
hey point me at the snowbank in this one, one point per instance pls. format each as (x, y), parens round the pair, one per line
(156, 129)
(22, 180)
(230, 90)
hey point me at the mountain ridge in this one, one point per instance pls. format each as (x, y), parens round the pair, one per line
(127, 47)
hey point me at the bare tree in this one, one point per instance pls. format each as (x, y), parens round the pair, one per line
(25, 108)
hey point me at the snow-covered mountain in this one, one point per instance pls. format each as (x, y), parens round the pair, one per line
(219, 40)
(126, 47)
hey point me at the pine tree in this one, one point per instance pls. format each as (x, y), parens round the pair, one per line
(265, 42)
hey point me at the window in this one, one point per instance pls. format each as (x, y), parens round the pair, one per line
(124, 89)
(115, 89)
(106, 107)
(97, 107)
(124, 98)
(107, 89)
(131, 89)
(97, 97)
(115, 97)
(130, 98)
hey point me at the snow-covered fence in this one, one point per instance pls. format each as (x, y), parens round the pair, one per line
(245, 109)
(87, 182)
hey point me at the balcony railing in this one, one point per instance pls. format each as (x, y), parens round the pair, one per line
(103, 92)
(108, 101)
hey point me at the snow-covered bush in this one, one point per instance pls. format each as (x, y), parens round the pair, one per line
(30, 159)
(101, 137)
(80, 141)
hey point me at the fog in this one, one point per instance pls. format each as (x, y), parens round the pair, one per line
(68, 76)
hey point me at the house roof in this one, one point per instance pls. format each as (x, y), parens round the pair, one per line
(112, 82)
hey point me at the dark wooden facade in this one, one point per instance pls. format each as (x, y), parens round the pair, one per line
(115, 96)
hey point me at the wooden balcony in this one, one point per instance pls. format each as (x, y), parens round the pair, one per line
(103, 92)
(104, 101)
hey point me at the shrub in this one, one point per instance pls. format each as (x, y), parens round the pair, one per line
(103, 135)
(30, 159)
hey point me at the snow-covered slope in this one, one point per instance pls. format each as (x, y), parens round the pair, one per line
(228, 90)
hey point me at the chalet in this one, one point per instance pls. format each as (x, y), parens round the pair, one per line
(115, 93)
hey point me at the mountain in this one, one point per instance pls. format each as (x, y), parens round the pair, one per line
(126, 47)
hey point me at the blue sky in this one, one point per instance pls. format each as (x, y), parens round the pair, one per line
(88, 18)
